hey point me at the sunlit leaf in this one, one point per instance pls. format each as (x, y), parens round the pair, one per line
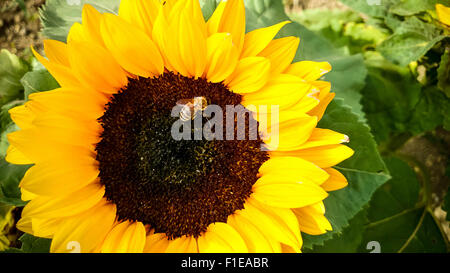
(398, 218)
(12, 70)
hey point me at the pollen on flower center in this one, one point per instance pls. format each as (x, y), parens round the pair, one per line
(177, 187)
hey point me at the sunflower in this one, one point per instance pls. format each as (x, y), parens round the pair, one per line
(106, 172)
(443, 13)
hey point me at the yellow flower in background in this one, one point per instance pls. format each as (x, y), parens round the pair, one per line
(443, 13)
(107, 173)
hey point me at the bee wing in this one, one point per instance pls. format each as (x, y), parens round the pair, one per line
(183, 102)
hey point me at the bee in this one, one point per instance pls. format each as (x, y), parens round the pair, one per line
(191, 107)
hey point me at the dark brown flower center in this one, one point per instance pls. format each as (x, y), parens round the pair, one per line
(178, 187)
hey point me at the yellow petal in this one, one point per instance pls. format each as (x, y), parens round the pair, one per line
(319, 110)
(36, 146)
(286, 192)
(79, 103)
(308, 70)
(35, 108)
(45, 227)
(323, 87)
(183, 244)
(284, 217)
(443, 13)
(62, 74)
(166, 38)
(323, 137)
(131, 47)
(91, 19)
(25, 224)
(77, 33)
(22, 116)
(283, 90)
(256, 240)
(194, 11)
(322, 156)
(257, 40)
(222, 57)
(230, 18)
(312, 220)
(50, 179)
(76, 202)
(156, 243)
(88, 229)
(294, 167)
(291, 134)
(289, 249)
(96, 67)
(214, 21)
(66, 130)
(272, 224)
(307, 103)
(14, 156)
(56, 52)
(251, 74)
(192, 51)
(126, 237)
(336, 181)
(221, 238)
(140, 13)
(280, 52)
(26, 195)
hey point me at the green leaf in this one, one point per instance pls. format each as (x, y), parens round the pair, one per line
(347, 241)
(431, 112)
(393, 21)
(208, 7)
(398, 217)
(365, 171)
(444, 73)
(340, 118)
(390, 96)
(31, 244)
(10, 177)
(412, 40)
(59, 15)
(345, 86)
(38, 81)
(411, 7)
(395, 103)
(408, 47)
(12, 70)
